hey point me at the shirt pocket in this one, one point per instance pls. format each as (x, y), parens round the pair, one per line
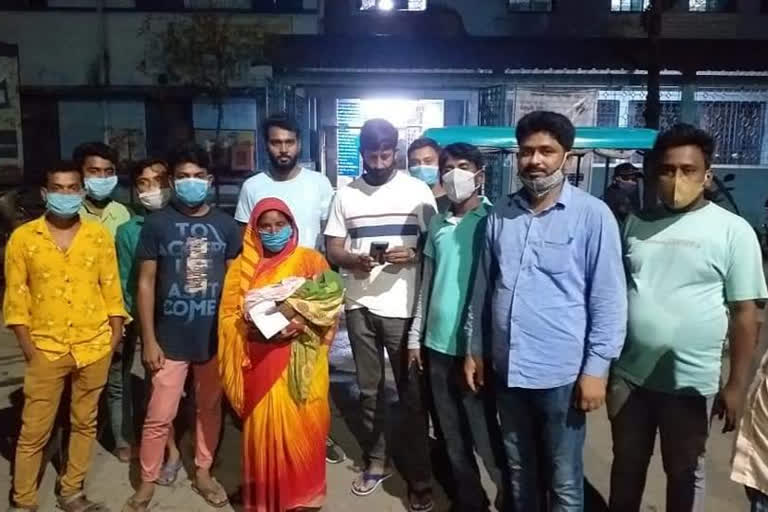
(554, 256)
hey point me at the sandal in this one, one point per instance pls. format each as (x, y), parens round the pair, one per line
(79, 503)
(359, 487)
(420, 501)
(134, 505)
(169, 473)
(215, 496)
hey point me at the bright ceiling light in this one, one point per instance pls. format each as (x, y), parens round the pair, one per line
(386, 5)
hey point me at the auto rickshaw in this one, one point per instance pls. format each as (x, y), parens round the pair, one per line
(596, 151)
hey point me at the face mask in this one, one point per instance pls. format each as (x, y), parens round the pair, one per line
(680, 193)
(540, 186)
(426, 173)
(459, 185)
(65, 206)
(276, 242)
(192, 191)
(100, 188)
(378, 176)
(627, 186)
(155, 199)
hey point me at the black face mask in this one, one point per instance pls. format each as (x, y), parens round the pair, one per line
(377, 176)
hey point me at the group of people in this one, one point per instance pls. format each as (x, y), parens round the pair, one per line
(503, 324)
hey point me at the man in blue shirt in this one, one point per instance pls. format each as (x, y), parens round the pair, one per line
(552, 278)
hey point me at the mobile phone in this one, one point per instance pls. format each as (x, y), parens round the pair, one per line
(377, 251)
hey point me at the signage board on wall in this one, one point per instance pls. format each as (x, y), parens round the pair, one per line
(578, 105)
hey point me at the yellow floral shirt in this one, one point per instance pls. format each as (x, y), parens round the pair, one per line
(65, 298)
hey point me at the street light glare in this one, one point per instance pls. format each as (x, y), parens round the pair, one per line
(386, 5)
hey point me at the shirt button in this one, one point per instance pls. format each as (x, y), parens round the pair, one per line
(69, 324)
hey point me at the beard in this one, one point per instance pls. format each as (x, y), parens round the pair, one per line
(283, 167)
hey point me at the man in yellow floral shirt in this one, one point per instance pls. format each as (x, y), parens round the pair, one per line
(64, 303)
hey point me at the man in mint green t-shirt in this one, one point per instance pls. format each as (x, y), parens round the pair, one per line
(692, 267)
(451, 256)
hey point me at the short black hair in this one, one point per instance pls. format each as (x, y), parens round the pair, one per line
(280, 121)
(63, 166)
(683, 134)
(423, 142)
(188, 153)
(556, 125)
(463, 151)
(378, 134)
(139, 166)
(99, 149)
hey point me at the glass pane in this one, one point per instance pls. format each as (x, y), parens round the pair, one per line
(530, 5)
(629, 5)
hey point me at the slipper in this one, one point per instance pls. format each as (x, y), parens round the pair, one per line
(377, 480)
(134, 505)
(169, 473)
(420, 501)
(210, 495)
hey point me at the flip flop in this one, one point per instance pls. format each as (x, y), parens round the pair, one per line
(417, 503)
(133, 505)
(209, 495)
(169, 473)
(376, 478)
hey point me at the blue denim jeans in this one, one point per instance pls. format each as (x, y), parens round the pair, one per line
(544, 440)
(757, 500)
(119, 393)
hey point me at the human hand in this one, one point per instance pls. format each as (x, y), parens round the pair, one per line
(728, 404)
(589, 393)
(414, 357)
(363, 263)
(293, 329)
(474, 372)
(400, 255)
(153, 356)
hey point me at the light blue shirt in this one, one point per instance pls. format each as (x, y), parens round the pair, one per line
(308, 195)
(554, 286)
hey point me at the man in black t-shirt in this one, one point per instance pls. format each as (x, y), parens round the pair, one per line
(183, 252)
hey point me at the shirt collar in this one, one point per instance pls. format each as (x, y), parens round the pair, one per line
(480, 211)
(566, 193)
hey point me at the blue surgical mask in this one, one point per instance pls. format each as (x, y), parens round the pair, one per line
(65, 206)
(276, 242)
(192, 191)
(426, 173)
(100, 188)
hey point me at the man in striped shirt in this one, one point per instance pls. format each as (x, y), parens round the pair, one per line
(374, 234)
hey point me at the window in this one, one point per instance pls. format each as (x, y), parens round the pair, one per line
(737, 127)
(629, 5)
(608, 113)
(390, 5)
(710, 5)
(670, 114)
(531, 5)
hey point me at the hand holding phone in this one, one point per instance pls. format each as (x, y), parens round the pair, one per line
(378, 251)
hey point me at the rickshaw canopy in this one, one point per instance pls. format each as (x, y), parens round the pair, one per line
(502, 138)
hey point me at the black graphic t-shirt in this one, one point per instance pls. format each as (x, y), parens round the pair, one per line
(191, 255)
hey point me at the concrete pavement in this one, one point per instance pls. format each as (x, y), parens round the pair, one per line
(111, 482)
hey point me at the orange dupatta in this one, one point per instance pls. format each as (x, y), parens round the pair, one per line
(248, 370)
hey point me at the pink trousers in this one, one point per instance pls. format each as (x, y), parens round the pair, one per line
(167, 388)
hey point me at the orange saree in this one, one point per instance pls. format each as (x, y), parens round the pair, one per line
(283, 440)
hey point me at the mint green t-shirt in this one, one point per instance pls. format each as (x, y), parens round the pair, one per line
(454, 245)
(682, 272)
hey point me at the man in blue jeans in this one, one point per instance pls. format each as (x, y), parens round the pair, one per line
(551, 276)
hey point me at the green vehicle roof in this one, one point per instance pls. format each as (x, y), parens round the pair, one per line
(503, 137)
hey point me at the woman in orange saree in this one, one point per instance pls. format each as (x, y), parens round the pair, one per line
(283, 436)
